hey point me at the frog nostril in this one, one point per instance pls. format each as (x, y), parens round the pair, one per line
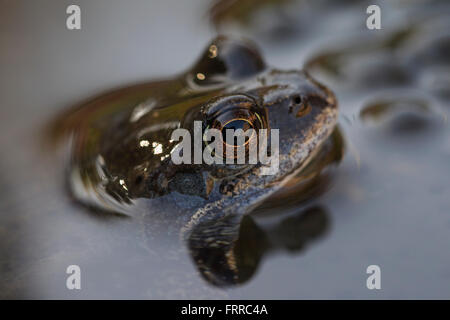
(297, 99)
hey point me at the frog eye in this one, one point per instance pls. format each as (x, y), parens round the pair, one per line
(232, 113)
(236, 124)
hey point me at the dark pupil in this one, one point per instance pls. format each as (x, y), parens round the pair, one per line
(235, 125)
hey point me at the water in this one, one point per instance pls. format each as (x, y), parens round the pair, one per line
(386, 203)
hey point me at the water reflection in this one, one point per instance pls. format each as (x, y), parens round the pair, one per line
(229, 251)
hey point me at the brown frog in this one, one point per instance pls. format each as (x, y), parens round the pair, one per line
(121, 142)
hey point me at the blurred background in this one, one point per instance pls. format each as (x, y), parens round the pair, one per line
(389, 201)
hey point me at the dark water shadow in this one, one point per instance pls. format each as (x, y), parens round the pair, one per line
(233, 257)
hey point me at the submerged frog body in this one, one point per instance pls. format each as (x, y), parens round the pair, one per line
(121, 141)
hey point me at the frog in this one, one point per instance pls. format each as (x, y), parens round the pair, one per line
(121, 143)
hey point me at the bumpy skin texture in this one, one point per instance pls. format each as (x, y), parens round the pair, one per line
(121, 140)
